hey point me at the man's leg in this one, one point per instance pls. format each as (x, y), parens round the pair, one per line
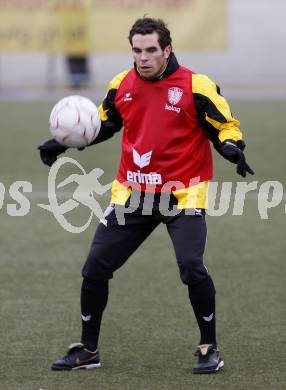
(94, 296)
(188, 234)
(112, 245)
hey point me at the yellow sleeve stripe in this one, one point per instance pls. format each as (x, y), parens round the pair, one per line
(228, 130)
(103, 113)
(116, 81)
(113, 84)
(204, 86)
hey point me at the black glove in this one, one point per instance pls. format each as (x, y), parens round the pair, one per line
(233, 151)
(50, 150)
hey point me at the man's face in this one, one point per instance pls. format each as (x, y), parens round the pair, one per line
(150, 59)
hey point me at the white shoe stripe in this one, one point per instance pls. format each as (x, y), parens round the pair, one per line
(88, 366)
(220, 365)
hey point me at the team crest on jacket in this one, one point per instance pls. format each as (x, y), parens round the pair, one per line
(175, 95)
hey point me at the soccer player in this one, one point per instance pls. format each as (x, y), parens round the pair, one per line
(169, 115)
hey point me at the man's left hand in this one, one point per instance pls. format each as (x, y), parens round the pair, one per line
(233, 151)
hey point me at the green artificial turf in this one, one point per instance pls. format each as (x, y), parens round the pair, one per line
(149, 331)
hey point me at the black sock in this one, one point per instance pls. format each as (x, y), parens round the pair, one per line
(94, 296)
(202, 297)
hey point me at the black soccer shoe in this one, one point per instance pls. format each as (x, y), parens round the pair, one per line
(209, 360)
(77, 357)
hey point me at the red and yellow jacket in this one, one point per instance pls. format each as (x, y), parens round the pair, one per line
(168, 123)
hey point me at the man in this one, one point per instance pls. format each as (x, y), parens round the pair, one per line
(169, 114)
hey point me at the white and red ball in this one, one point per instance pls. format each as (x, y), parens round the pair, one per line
(75, 121)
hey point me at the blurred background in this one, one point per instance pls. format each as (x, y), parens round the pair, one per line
(49, 45)
(53, 48)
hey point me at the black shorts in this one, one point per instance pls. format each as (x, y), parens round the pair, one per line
(113, 243)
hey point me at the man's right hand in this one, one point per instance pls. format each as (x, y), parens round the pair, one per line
(50, 150)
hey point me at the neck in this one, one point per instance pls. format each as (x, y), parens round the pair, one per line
(158, 75)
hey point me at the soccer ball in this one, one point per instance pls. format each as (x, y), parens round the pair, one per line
(75, 121)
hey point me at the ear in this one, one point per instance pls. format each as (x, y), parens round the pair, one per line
(167, 51)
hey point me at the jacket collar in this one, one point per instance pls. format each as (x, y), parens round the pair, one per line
(172, 66)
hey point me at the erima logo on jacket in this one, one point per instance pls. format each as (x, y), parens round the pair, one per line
(142, 161)
(143, 178)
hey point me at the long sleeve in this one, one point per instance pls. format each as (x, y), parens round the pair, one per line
(213, 111)
(111, 121)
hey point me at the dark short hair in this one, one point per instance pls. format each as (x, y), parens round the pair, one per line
(148, 26)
